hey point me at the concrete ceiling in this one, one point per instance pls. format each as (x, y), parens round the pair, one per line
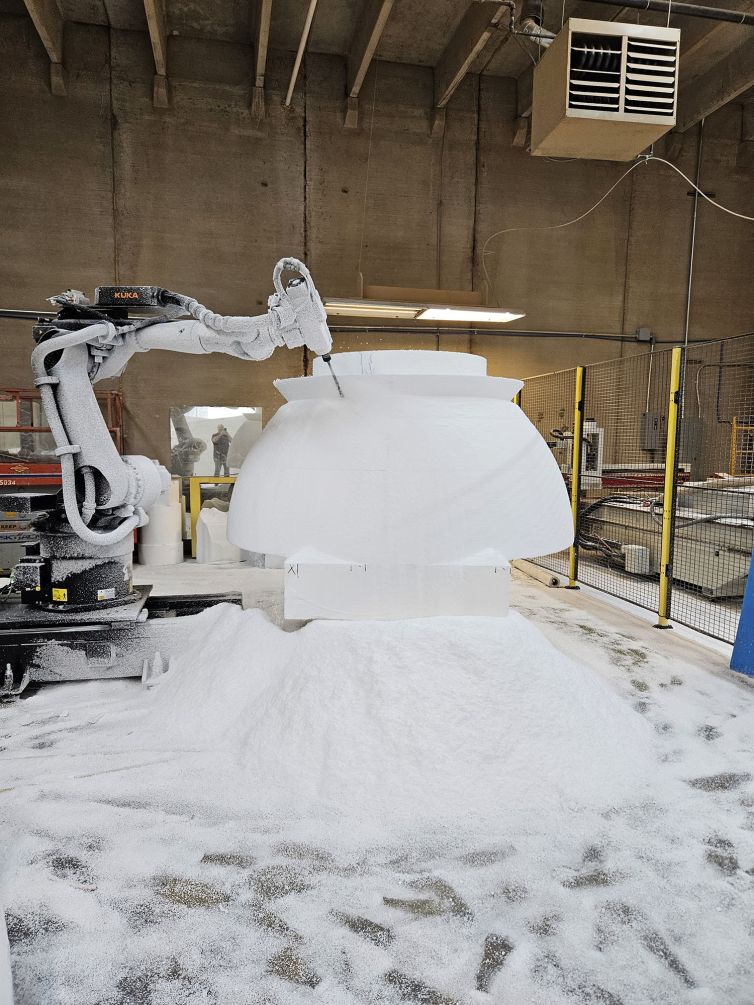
(416, 31)
(453, 36)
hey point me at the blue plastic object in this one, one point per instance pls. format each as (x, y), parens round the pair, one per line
(742, 659)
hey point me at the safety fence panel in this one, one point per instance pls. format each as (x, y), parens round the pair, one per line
(548, 402)
(623, 476)
(714, 515)
(665, 511)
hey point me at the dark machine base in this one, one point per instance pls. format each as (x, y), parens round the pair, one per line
(41, 646)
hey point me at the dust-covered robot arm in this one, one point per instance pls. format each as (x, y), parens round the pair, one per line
(105, 495)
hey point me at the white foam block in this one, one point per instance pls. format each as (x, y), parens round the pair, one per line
(341, 591)
(212, 544)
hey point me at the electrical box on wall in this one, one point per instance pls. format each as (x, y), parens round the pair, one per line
(653, 431)
(604, 90)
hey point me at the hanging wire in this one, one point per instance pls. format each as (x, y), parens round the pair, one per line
(582, 216)
(556, 226)
(712, 202)
(369, 162)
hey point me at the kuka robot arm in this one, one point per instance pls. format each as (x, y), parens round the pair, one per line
(67, 363)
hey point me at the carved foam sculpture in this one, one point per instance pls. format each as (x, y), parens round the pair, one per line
(408, 496)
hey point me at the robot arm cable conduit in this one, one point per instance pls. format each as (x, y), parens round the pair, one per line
(66, 450)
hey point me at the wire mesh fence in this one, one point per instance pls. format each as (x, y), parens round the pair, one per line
(714, 517)
(680, 545)
(623, 475)
(548, 401)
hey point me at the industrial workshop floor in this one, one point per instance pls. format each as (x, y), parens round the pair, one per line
(134, 873)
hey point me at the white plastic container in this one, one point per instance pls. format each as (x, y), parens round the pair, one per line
(161, 540)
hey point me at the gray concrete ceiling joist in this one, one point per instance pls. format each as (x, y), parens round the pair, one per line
(480, 24)
(703, 47)
(158, 36)
(524, 93)
(308, 20)
(262, 19)
(49, 24)
(723, 83)
(369, 28)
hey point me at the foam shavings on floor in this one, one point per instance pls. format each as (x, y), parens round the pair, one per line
(447, 810)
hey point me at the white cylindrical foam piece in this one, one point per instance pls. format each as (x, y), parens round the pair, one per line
(402, 361)
(161, 540)
(161, 554)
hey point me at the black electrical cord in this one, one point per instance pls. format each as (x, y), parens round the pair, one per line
(681, 522)
(508, 333)
(611, 550)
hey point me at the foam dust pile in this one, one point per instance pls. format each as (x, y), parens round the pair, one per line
(439, 720)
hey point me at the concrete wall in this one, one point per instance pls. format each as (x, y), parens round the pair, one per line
(101, 187)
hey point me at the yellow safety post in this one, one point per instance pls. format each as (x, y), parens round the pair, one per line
(668, 499)
(578, 436)
(195, 500)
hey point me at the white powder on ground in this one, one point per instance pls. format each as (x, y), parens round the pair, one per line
(397, 724)
(114, 797)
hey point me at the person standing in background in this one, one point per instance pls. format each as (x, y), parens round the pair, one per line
(220, 445)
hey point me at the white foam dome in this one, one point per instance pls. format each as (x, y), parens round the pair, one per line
(421, 467)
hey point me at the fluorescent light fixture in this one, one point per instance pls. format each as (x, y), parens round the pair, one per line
(475, 314)
(417, 312)
(372, 309)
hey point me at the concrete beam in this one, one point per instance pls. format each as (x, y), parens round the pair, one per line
(521, 132)
(369, 27)
(524, 93)
(437, 122)
(479, 24)
(673, 145)
(49, 25)
(351, 119)
(704, 42)
(308, 21)
(722, 83)
(745, 159)
(261, 43)
(160, 94)
(158, 36)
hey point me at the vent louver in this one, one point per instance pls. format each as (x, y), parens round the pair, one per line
(595, 72)
(650, 81)
(604, 90)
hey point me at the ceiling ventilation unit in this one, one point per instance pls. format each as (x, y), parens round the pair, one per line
(604, 90)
